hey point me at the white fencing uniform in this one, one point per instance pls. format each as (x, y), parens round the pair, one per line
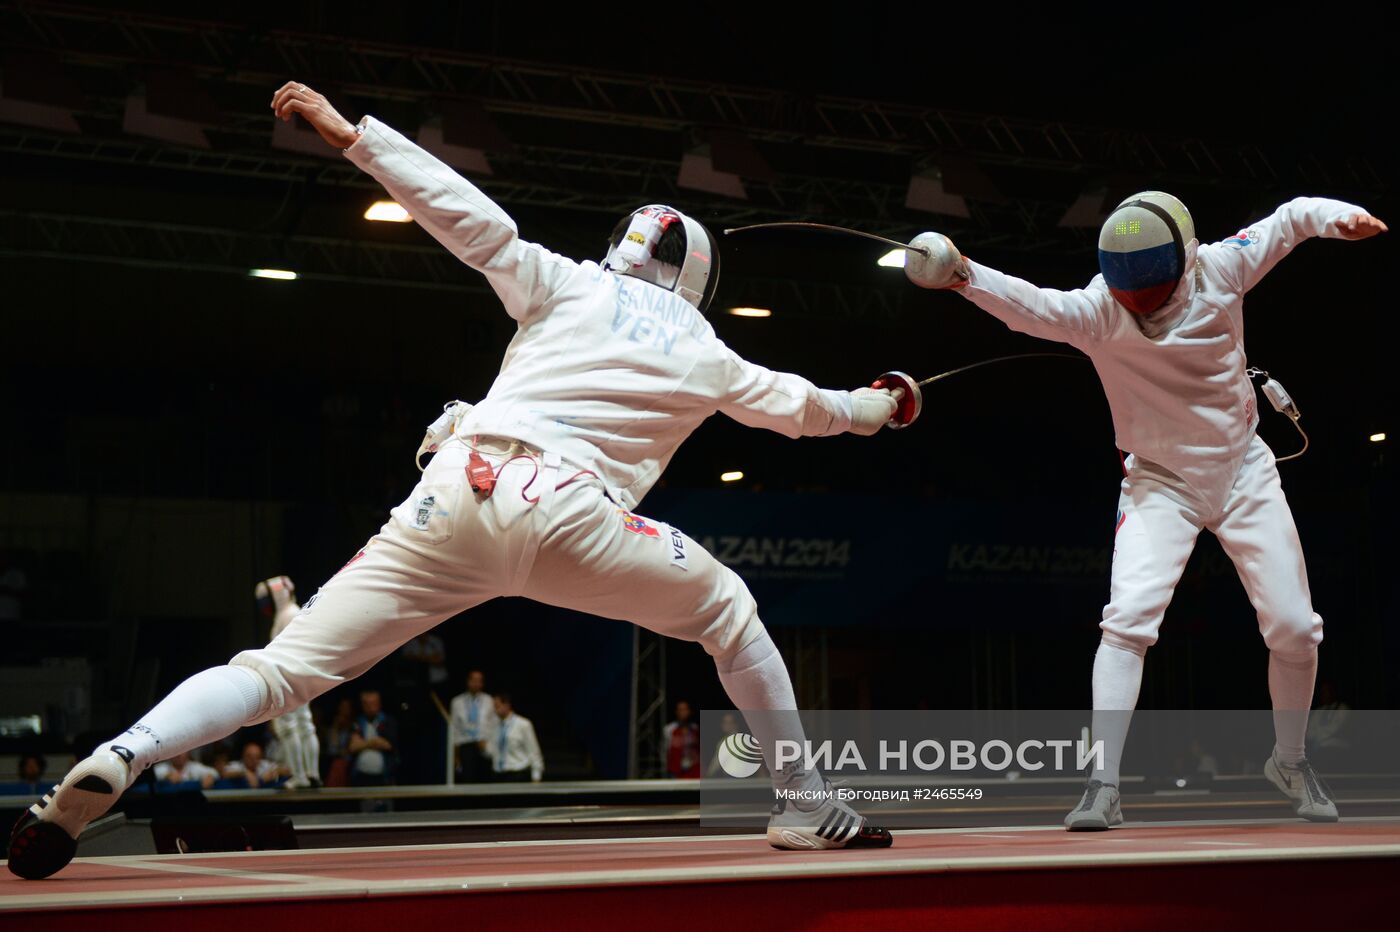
(605, 377)
(1185, 410)
(295, 730)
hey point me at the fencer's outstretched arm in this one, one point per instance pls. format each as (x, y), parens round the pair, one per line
(1048, 313)
(459, 215)
(1249, 255)
(793, 406)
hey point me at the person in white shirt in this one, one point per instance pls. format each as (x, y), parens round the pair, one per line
(182, 768)
(1164, 326)
(514, 750)
(612, 366)
(473, 723)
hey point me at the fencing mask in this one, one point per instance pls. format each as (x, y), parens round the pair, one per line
(661, 245)
(1144, 250)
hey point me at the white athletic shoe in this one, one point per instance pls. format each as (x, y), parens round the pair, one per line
(302, 783)
(1098, 809)
(832, 824)
(1301, 784)
(45, 838)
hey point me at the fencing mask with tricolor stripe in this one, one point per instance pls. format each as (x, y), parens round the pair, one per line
(1144, 249)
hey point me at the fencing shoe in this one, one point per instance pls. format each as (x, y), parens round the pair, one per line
(1097, 810)
(829, 824)
(1303, 787)
(45, 838)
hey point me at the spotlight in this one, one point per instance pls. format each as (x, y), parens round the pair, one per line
(734, 476)
(750, 312)
(283, 275)
(388, 211)
(1378, 438)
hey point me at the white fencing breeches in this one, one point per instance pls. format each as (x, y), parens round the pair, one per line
(301, 749)
(1159, 519)
(444, 551)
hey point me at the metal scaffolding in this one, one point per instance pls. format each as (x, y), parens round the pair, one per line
(188, 247)
(592, 140)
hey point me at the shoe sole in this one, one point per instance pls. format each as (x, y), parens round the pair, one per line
(38, 849)
(792, 839)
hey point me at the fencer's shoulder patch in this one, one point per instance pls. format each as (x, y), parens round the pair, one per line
(638, 525)
(1241, 239)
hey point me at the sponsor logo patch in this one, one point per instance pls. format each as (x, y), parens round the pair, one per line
(637, 525)
(423, 512)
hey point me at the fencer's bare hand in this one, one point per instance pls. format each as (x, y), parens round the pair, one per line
(871, 409)
(1361, 226)
(294, 97)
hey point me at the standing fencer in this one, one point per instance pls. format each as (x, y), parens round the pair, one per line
(612, 366)
(1163, 324)
(295, 731)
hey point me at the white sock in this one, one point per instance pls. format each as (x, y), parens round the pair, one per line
(1117, 679)
(1291, 679)
(205, 708)
(757, 680)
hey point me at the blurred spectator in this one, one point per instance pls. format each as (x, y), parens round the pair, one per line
(514, 751)
(1202, 761)
(474, 724)
(680, 744)
(1328, 720)
(13, 583)
(182, 768)
(373, 743)
(729, 724)
(252, 769)
(335, 745)
(428, 654)
(31, 770)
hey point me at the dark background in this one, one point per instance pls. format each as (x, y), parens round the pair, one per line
(175, 430)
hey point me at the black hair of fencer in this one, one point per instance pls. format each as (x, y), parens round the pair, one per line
(670, 249)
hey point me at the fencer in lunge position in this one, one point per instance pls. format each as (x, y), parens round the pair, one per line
(1163, 324)
(612, 366)
(295, 731)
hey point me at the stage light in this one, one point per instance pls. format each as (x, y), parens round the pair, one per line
(388, 211)
(1378, 438)
(894, 259)
(1090, 208)
(928, 193)
(283, 275)
(750, 312)
(698, 173)
(734, 476)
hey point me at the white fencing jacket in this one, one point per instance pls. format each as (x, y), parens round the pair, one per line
(1175, 380)
(610, 372)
